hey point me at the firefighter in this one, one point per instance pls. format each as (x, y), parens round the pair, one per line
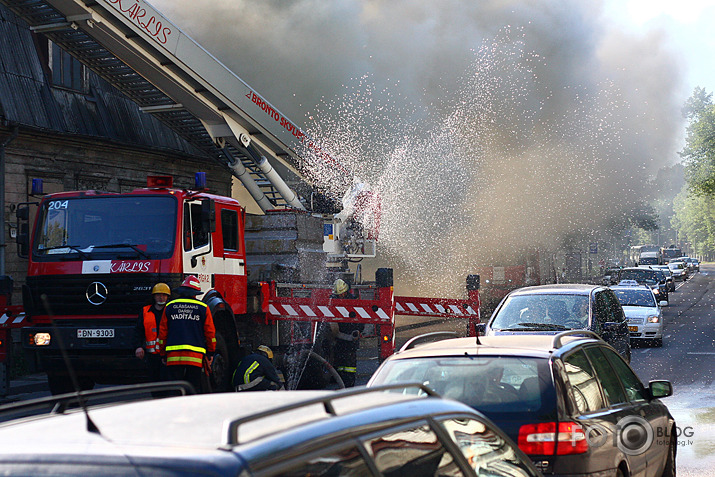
(347, 339)
(187, 334)
(256, 372)
(147, 332)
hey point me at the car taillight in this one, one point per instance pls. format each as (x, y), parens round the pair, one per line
(543, 438)
(571, 439)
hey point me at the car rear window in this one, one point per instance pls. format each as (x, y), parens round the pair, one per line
(542, 311)
(494, 385)
(635, 297)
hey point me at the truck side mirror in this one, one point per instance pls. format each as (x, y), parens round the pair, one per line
(208, 216)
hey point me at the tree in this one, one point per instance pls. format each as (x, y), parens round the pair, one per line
(695, 221)
(699, 151)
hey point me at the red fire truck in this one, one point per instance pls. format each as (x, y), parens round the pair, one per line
(94, 257)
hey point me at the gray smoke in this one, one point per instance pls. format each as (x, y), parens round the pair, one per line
(487, 127)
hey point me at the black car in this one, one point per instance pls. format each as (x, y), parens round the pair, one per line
(357, 431)
(650, 277)
(571, 403)
(550, 309)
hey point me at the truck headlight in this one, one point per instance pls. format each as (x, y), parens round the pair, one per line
(41, 339)
(653, 319)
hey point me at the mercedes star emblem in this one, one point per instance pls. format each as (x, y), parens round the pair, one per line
(97, 293)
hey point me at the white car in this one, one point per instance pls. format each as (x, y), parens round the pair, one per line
(645, 317)
(679, 270)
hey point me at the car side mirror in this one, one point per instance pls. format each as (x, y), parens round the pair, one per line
(663, 303)
(660, 389)
(481, 329)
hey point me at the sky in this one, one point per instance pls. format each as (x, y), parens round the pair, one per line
(486, 127)
(688, 22)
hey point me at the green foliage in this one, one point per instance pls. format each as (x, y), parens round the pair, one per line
(699, 151)
(694, 219)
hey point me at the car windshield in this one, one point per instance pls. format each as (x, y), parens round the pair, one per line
(490, 384)
(129, 226)
(635, 297)
(641, 276)
(676, 265)
(542, 312)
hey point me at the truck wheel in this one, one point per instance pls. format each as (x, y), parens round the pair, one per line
(221, 371)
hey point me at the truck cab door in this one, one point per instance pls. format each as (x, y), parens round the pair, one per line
(197, 241)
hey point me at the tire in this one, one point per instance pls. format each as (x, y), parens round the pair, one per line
(669, 470)
(658, 342)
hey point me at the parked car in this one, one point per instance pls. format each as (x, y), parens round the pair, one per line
(679, 270)
(549, 309)
(645, 317)
(572, 403)
(669, 280)
(650, 277)
(358, 431)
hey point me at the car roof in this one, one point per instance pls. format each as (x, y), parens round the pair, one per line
(557, 289)
(521, 344)
(196, 425)
(632, 287)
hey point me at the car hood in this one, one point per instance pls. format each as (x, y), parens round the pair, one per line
(639, 311)
(491, 332)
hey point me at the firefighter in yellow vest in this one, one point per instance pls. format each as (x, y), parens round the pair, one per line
(256, 372)
(147, 332)
(187, 334)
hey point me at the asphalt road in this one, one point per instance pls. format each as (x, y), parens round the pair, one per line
(687, 359)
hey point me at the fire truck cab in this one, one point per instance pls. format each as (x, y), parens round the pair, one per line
(95, 256)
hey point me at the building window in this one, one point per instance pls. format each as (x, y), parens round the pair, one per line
(67, 71)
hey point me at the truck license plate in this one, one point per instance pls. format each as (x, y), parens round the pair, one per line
(96, 333)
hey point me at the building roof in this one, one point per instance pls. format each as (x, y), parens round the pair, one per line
(28, 98)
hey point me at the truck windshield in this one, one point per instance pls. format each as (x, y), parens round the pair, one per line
(142, 227)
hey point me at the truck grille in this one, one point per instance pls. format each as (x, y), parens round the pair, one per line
(125, 293)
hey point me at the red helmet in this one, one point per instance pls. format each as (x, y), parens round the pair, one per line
(191, 285)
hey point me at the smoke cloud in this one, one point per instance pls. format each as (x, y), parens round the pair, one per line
(487, 127)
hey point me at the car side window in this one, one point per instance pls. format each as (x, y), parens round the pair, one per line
(347, 461)
(412, 451)
(635, 391)
(486, 452)
(584, 384)
(606, 375)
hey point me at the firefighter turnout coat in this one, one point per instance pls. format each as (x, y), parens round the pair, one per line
(186, 332)
(148, 329)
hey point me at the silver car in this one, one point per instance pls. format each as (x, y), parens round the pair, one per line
(679, 270)
(645, 317)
